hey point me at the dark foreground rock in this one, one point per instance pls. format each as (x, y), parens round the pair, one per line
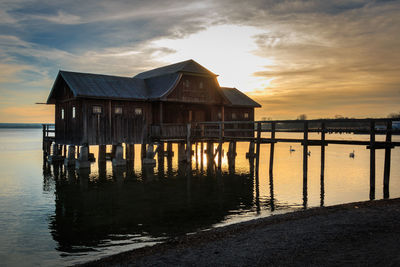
(357, 234)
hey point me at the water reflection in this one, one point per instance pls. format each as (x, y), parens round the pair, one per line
(93, 208)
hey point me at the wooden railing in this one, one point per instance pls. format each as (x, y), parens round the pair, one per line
(249, 129)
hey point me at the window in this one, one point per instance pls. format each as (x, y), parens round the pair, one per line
(138, 111)
(62, 113)
(73, 112)
(219, 115)
(97, 110)
(187, 83)
(233, 116)
(246, 115)
(118, 110)
(201, 85)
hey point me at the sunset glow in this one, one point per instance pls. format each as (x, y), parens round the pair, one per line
(293, 57)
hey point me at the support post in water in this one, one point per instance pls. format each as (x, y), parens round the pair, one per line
(101, 157)
(258, 147)
(272, 148)
(305, 164)
(188, 144)
(386, 172)
(322, 163)
(220, 147)
(372, 162)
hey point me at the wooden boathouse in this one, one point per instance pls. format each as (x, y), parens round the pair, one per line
(94, 109)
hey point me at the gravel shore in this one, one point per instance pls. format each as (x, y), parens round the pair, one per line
(356, 234)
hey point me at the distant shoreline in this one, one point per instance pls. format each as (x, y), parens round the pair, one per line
(20, 125)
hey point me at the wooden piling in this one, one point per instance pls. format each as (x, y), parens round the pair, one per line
(322, 182)
(372, 162)
(386, 172)
(102, 153)
(188, 144)
(258, 147)
(220, 146)
(272, 148)
(305, 164)
(130, 152)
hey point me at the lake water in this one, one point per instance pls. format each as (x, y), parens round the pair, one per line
(53, 216)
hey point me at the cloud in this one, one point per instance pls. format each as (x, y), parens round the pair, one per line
(315, 53)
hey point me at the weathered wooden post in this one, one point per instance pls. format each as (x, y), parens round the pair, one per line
(181, 152)
(170, 153)
(272, 148)
(220, 134)
(102, 153)
(143, 151)
(210, 152)
(305, 164)
(388, 148)
(231, 156)
(372, 162)
(322, 193)
(196, 154)
(160, 152)
(83, 161)
(188, 144)
(201, 155)
(258, 147)
(70, 159)
(149, 158)
(118, 159)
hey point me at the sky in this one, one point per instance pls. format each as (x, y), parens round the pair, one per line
(319, 58)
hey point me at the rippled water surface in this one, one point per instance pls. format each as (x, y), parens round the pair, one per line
(50, 215)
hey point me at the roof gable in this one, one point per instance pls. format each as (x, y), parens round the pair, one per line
(101, 86)
(189, 66)
(238, 99)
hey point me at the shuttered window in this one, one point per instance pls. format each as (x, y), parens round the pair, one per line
(73, 112)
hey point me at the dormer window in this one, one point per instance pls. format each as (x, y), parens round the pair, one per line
(201, 85)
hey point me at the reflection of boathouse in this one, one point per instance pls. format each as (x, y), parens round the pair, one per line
(89, 211)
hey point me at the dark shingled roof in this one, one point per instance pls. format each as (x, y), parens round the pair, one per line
(115, 87)
(237, 98)
(184, 66)
(149, 85)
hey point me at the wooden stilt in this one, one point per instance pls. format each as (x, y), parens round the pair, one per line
(102, 153)
(322, 185)
(258, 147)
(201, 155)
(188, 144)
(143, 150)
(305, 164)
(272, 148)
(386, 172)
(372, 162)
